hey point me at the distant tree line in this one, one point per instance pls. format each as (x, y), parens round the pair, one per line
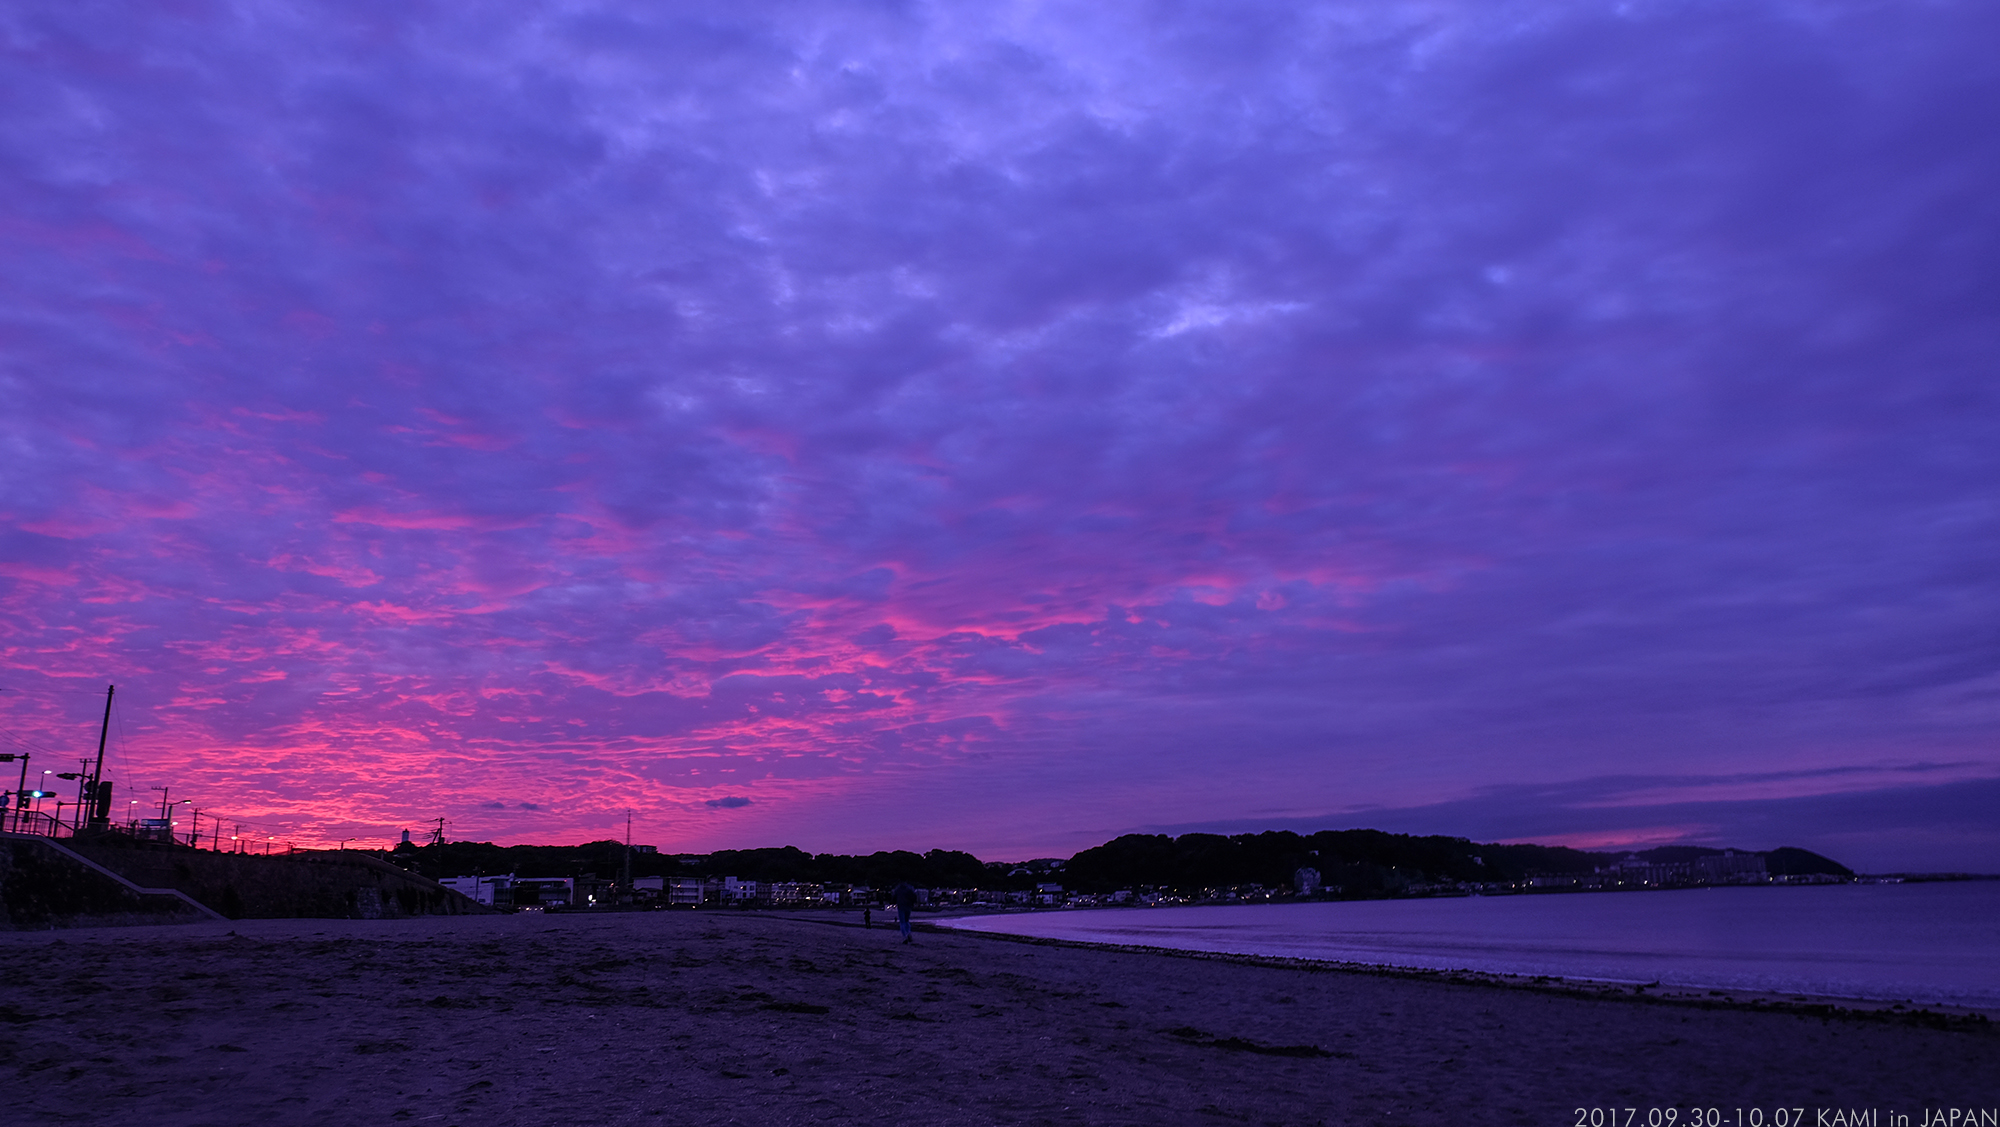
(939, 868)
(1350, 862)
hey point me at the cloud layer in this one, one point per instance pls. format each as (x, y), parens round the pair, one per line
(873, 427)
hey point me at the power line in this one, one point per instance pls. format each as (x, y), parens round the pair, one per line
(30, 745)
(119, 764)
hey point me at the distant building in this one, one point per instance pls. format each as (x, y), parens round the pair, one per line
(736, 891)
(545, 892)
(791, 894)
(1731, 868)
(1727, 867)
(1306, 881)
(593, 892)
(495, 892)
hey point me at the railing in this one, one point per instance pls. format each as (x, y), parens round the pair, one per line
(35, 822)
(40, 824)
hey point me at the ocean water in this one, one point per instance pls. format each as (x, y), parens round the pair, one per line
(1935, 944)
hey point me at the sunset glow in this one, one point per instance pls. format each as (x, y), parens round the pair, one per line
(1002, 427)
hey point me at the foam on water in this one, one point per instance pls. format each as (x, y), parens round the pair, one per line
(1935, 944)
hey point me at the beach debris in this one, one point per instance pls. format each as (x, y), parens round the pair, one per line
(1193, 1036)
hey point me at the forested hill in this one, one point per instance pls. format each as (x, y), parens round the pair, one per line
(1359, 860)
(1355, 859)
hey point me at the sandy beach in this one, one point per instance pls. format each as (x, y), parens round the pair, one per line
(715, 1018)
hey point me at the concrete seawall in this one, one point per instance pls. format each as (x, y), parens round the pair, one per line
(86, 882)
(46, 885)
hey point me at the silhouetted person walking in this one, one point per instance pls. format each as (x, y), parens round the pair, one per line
(906, 899)
(867, 917)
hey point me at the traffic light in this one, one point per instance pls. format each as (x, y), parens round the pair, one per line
(38, 794)
(8, 758)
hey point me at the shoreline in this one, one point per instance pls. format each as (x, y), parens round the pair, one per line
(1928, 953)
(718, 1018)
(1817, 1005)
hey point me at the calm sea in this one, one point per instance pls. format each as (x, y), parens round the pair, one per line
(1926, 943)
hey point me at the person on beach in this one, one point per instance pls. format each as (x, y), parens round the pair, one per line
(906, 899)
(867, 917)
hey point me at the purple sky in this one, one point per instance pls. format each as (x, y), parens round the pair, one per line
(1002, 427)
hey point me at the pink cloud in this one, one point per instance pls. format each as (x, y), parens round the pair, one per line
(35, 573)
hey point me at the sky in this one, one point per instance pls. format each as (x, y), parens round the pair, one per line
(1005, 426)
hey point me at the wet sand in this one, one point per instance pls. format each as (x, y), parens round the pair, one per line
(712, 1018)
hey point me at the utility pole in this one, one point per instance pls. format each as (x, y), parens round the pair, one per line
(163, 801)
(625, 874)
(86, 789)
(437, 835)
(100, 795)
(21, 792)
(12, 799)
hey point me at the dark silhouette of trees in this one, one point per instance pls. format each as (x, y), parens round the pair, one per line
(1350, 863)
